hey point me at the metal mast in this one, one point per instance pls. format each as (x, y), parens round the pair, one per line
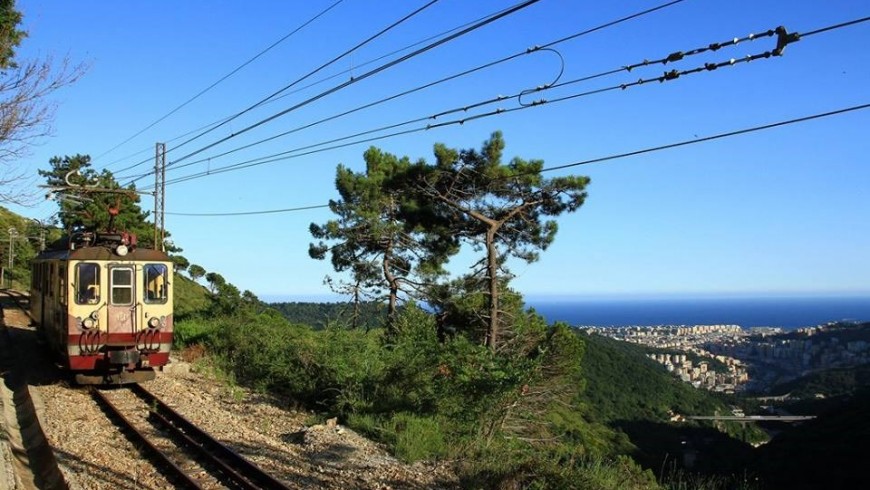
(159, 193)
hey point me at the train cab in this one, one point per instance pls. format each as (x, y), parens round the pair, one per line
(105, 307)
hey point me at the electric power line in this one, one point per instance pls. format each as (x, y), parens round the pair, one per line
(368, 74)
(288, 93)
(209, 128)
(249, 213)
(213, 85)
(783, 38)
(617, 156)
(455, 76)
(309, 74)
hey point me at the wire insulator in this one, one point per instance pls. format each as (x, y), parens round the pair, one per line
(674, 57)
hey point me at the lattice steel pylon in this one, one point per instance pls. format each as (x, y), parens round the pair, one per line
(159, 196)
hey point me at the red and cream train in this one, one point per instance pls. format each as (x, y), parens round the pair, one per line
(104, 307)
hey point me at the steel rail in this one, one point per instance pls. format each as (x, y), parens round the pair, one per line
(176, 472)
(240, 470)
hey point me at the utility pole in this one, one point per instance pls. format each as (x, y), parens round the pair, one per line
(13, 234)
(159, 193)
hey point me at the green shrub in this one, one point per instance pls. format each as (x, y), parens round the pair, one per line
(513, 418)
(417, 437)
(192, 331)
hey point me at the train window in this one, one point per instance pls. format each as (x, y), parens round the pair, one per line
(122, 286)
(62, 291)
(155, 283)
(87, 284)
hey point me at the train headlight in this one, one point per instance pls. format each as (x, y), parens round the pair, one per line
(121, 250)
(95, 315)
(154, 322)
(88, 323)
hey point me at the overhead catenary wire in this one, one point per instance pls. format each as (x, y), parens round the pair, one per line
(209, 128)
(364, 76)
(667, 76)
(532, 50)
(783, 39)
(295, 82)
(251, 213)
(290, 92)
(150, 149)
(216, 83)
(607, 158)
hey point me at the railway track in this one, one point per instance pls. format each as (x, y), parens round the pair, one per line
(190, 456)
(21, 300)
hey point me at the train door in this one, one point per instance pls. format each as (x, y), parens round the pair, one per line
(122, 299)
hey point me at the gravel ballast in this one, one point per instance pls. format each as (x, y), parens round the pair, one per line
(93, 453)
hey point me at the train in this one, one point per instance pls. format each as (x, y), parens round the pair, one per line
(104, 306)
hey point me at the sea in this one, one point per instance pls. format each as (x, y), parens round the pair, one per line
(784, 312)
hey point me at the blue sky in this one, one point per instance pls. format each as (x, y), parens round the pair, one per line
(782, 211)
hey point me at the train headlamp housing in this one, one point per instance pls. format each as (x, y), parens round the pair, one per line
(88, 323)
(155, 322)
(121, 250)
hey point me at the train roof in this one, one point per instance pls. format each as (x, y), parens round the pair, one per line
(104, 253)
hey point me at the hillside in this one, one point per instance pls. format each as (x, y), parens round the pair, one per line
(28, 235)
(322, 315)
(190, 297)
(635, 395)
(827, 383)
(623, 384)
(828, 452)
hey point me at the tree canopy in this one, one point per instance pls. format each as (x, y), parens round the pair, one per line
(26, 110)
(502, 207)
(398, 223)
(87, 204)
(377, 235)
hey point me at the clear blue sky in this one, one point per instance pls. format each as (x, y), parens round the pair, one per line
(781, 211)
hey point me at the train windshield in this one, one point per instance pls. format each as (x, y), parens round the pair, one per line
(87, 284)
(122, 286)
(155, 283)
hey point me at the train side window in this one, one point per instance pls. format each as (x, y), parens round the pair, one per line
(156, 280)
(87, 283)
(122, 286)
(50, 280)
(62, 291)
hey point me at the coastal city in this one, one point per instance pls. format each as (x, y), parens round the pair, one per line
(729, 358)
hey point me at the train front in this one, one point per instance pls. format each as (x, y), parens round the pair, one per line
(119, 320)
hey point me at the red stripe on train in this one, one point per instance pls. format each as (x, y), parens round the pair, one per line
(100, 361)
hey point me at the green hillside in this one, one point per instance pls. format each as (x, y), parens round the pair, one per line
(623, 384)
(28, 234)
(323, 315)
(829, 382)
(190, 297)
(635, 395)
(828, 452)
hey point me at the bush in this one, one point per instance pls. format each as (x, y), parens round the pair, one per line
(513, 418)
